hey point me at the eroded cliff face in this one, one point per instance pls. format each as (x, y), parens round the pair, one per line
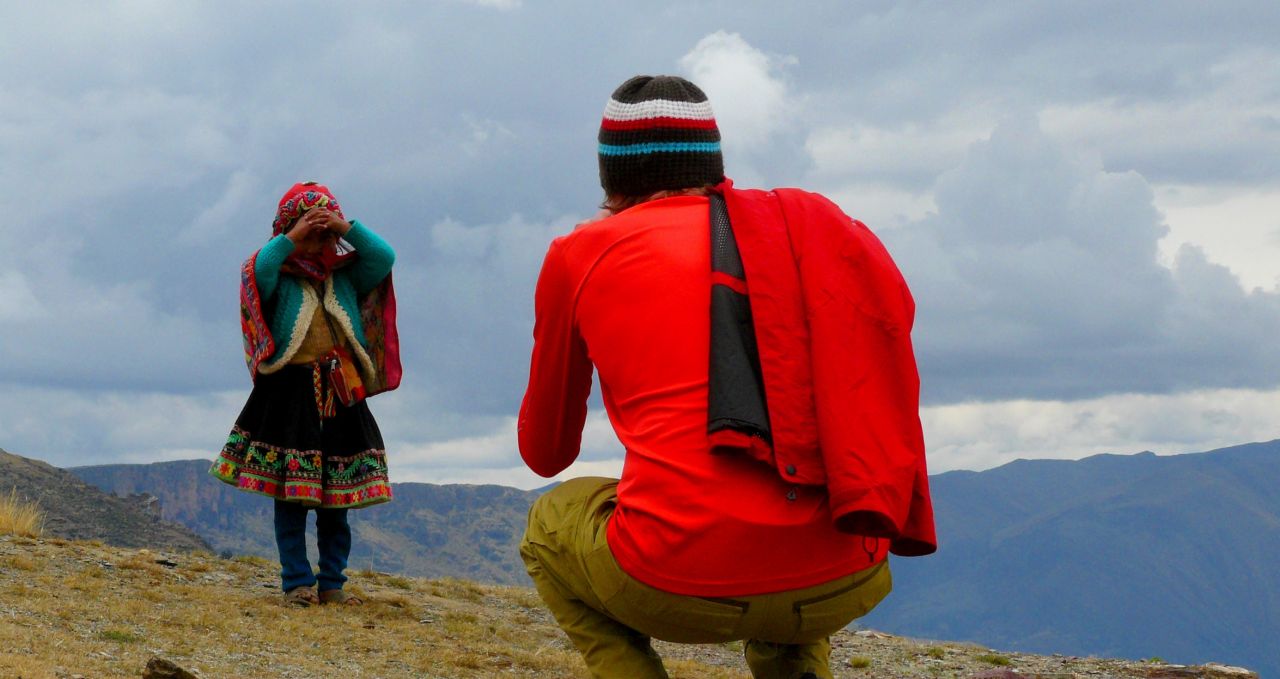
(77, 510)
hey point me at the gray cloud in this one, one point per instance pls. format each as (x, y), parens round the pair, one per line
(471, 314)
(1038, 277)
(144, 150)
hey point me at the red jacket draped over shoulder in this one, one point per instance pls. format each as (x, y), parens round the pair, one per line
(833, 319)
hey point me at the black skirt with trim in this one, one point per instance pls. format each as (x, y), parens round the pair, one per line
(282, 448)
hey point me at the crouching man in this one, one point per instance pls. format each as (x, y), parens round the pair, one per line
(754, 355)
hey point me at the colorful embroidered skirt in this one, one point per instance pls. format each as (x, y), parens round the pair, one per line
(281, 448)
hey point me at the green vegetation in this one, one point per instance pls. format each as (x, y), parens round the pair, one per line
(397, 582)
(121, 636)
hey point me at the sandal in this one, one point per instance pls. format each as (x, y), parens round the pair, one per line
(301, 597)
(340, 597)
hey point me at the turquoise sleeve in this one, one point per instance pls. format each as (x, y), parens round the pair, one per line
(266, 268)
(375, 260)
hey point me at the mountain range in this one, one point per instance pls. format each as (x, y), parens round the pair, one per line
(465, 531)
(1113, 555)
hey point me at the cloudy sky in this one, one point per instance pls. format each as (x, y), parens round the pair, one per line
(1085, 198)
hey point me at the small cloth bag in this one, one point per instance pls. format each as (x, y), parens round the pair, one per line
(344, 377)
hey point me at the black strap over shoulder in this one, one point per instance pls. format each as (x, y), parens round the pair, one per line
(724, 248)
(736, 400)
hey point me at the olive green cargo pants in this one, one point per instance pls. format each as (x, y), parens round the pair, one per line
(610, 617)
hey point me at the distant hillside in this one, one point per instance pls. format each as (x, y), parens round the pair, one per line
(76, 510)
(1126, 556)
(427, 530)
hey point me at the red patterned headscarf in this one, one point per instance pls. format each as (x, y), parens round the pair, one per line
(300, 198)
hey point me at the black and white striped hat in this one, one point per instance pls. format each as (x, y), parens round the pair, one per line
(658, 133)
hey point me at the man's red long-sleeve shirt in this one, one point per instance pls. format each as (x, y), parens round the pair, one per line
(630, 294)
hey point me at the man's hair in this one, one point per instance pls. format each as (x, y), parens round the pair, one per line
(618, 202)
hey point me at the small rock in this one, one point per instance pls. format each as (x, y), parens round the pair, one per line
(996, 674)
(870, 633)
(167, 563)
(1174, 672)
(159, 668)
(1228, 670)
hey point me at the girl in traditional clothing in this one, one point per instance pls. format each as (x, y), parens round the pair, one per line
(318, 319)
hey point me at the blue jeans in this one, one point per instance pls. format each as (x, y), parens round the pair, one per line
(333, 535)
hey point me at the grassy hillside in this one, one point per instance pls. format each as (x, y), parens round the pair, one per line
(86, 609)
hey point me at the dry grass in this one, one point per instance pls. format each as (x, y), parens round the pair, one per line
(79, 608)
(20, 518)
(75, 608)
(20, 562)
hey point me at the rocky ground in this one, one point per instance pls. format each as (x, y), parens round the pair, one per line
(83, 609)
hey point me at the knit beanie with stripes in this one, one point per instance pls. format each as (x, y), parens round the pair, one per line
(658, 134)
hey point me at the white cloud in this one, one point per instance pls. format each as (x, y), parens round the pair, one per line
(1228, 131)
(496, 4)
(745, 85)
(911, 154)
(67, 427)
(485, 134)
(469, 327)
(74, 426)
(459, 240)
(82, 150)
(1235, 226)
(244, 192)
(17, 303)
(492, 456)
(983, 435)
(516, 477)
(881, 206)
(97, 335)
(494, 445)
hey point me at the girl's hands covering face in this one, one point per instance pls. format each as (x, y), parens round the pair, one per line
(316, 229)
